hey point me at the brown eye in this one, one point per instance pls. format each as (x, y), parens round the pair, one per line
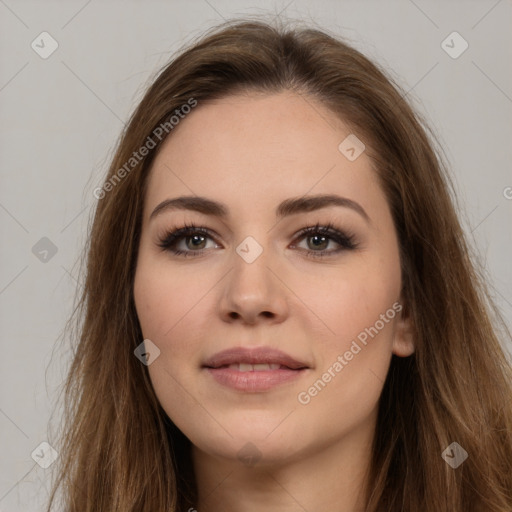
(191, 240)
(319, 237)
(197, 241)
(318, 241)
(193, 237)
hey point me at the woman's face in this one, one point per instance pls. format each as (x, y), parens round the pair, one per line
(252, 284)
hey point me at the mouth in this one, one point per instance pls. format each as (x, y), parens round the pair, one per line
(257, 367)
(254, 370)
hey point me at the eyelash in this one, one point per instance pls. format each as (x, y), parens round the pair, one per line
(344, 239)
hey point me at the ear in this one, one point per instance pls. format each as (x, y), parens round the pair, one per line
(403, 341)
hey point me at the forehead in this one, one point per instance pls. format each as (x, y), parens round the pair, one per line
(254, 148)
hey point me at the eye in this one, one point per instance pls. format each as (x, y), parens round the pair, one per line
(196, 235)
(193, 238)
(320, 237)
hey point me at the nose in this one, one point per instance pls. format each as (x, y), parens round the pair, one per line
(253, 292)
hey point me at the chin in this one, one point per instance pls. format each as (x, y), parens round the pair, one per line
(267, 442)
(253, 453)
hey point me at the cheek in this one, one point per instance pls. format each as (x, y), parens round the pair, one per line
(174, 313)
(351, 303)
(352, 365)
(166, 304)
(360, 308)
(164, 300)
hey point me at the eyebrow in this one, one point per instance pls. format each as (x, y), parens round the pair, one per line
(287, 207)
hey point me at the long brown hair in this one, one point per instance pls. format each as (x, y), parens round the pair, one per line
(119, 450)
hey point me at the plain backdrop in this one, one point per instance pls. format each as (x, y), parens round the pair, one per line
(60, 117)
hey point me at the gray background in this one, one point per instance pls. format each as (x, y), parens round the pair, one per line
(60, 118)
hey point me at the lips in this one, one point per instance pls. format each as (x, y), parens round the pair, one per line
(257, 359)
(254, 370)
(260, 367)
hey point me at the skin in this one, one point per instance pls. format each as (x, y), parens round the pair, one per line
(251, 152)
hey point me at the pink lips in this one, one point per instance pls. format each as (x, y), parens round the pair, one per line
(253, 370)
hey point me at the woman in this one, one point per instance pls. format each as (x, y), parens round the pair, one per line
(280, 311)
